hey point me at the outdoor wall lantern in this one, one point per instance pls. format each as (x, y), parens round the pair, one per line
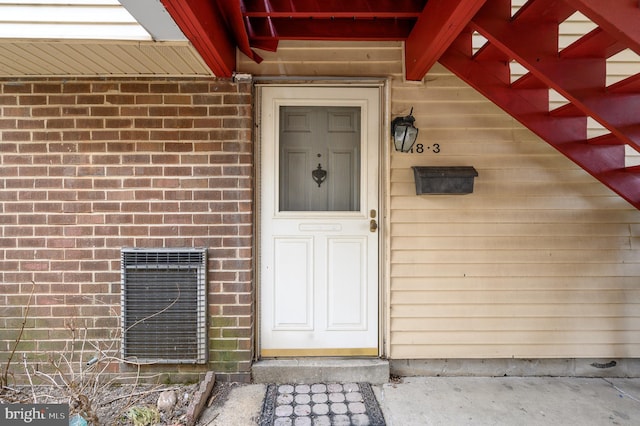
(404, 133)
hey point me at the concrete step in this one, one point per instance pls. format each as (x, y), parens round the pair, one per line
(321, 370)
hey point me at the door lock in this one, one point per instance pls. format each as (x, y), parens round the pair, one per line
(373, 225)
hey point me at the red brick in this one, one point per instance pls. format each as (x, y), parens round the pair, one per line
(148, 195)
(36, 242)
(76, 135)
(178, 123)
(90, 242)
(148, 99)
(164, 88)
(94, 266)
(34, 265)
(163, 111)
(242, 99)
(179, 146)
(224, 110)
(8, 124)
(81, 254)
(136, 159)
(118, 122)
(138, 135)
(104, 87)
(90, 123)
(134, 111)
(76, 87)
(16, 111)
(178, 218)
(47, 136)
(149, 219)
(62, 219)
(164, 207)
(149, 146)
(47, 88)
(61, 99)
(17, 136)
(207, 99)
(18, 88)
(148, 123)
(105, 111)
(61, 123)
(47, 208)
(163, 231)
(120, 147)
(63, 195)
(120, 99)
(8, 100)
(208, 123)
(90, 99)
(223, 134)
(177, 99)
(104, 135)
(194, 87)
(78, 183)
(135, 87)
(8, 147)
(195, 135)
(164, 135)
(135, 231)
(32, 100)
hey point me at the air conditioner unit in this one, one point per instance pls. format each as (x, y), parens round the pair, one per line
(164, 305)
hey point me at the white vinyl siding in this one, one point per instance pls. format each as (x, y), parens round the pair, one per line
(540, 261)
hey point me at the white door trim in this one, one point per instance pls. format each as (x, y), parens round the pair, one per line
(382, 86)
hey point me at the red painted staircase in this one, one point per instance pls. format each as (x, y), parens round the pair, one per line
(578, 72)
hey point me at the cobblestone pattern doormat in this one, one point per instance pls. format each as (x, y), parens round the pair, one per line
(321, 404)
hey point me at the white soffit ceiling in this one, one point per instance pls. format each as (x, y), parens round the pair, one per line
(68, 19)
(93, 37)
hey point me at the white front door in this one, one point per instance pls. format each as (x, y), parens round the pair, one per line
(318, 220)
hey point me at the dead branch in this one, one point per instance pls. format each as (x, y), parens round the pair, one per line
(4, 380)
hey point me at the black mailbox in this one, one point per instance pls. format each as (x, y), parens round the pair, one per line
(444, 180)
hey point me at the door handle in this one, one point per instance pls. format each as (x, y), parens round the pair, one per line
(373, 225)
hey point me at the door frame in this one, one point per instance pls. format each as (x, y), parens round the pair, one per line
(384, 89)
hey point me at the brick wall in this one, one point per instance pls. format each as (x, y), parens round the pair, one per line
(90, 166)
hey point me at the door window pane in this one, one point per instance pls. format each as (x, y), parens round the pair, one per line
(319, 158)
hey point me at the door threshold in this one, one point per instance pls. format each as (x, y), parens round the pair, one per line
(321, 370)
(346, 352)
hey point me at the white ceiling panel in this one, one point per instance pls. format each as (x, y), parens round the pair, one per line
(93, 38)
(87, 19)
(24, 58)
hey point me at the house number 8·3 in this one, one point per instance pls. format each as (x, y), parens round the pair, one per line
(420, 148)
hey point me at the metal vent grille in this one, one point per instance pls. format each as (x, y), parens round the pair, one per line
(164, 305)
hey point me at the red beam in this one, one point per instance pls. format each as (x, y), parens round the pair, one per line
(411, 8)
(620, 18)
(232, 13)
(323, 14)
(202, 24)
(439, 24)
(328, 29)
(597, 43)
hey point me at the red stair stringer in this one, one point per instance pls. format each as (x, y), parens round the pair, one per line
(578, 73)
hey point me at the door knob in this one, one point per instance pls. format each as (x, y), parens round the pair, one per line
(373, 225)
